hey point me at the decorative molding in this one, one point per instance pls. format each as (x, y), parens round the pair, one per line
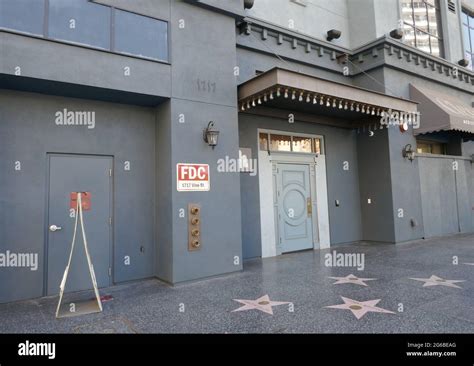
(370, 55)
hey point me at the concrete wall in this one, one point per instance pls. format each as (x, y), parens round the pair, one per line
(27, 134)
(340, 145)
(314, 19)
(406, 188)
(447, 195)
(81, 66)
(213, 61)
(250, 61)
(375, 184)
(163, 193)
(405, 179)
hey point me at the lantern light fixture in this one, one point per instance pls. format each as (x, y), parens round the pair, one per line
(211, 135)
(408, 152)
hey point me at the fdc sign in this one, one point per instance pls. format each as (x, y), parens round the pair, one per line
(193, 177)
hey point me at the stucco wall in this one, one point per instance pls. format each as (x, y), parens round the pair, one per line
(27, 133)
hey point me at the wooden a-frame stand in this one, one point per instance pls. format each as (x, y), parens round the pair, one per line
(84, 307)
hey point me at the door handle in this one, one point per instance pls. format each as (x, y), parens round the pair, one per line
(54, 228)
(309, 206)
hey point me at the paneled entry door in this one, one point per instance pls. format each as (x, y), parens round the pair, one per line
(79, 173)
(295, 223)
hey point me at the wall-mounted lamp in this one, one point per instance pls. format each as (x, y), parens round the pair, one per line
(408, 152)
(396, 33)
(211, 135)
(333, 34)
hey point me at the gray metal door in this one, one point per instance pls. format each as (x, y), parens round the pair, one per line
(77, 173)
(294, 207)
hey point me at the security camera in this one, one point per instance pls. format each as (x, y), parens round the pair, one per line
(333, 34)
(463, 62)
(248, 4)
(396, 33)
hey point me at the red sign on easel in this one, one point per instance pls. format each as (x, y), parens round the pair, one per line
(85, 199)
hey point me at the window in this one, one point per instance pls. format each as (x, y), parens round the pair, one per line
(302, 144)
(468, 36)
(80, 21)
(422, 25)
(22, 15)
(280, 143)
(140, 35)
(299, 144)
(429, 147)
(90, 24)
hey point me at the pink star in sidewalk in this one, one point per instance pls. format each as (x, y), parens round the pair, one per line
(360, 308)
(438, 281)
(352, 279)
(263, 304)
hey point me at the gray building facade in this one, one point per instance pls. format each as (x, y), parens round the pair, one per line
(111, 96)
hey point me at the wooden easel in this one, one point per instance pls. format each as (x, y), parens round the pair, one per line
(86, 307)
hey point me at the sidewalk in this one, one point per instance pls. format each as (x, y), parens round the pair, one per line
(301, 296)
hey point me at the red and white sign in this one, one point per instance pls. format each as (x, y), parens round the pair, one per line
(193, 177)
(85, 199)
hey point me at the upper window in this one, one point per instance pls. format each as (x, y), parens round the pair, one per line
(22, 15)
(87, 23)
(139, 35)
(80, 21)
(468, 36)
(422, 25)
(290, 143)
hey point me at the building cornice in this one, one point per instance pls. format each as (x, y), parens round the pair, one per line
(382, 52)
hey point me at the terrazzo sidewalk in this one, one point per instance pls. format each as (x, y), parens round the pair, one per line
(292, 293)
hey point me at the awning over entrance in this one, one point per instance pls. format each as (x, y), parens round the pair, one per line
(440, 112)
(280, 88)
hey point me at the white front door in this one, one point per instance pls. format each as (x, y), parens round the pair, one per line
(295, 222)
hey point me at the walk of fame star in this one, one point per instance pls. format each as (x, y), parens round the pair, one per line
(438, 281)
(263, 304)
(360, 308)
(352, 279)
